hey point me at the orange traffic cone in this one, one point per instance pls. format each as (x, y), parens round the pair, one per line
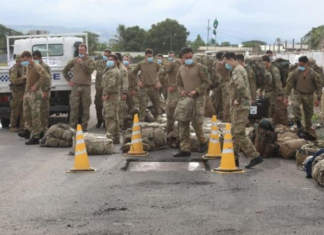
(81, 160)
(214, 147)
(227, 164)
(136, 148)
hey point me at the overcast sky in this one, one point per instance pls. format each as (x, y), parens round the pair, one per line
(239, 20)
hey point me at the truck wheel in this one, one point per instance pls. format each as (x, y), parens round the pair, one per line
(5, 122)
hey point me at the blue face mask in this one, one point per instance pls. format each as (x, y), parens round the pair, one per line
(25, 63)
(159, 61)
(301, 68)
(150, 59)
(104, 58)
(170, 59)
(81, 56)
(228, 66)
(126, 63)
(189, 62)
(36, 61)
(110, 63)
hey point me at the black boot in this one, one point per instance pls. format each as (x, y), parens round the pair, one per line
(237, 163)
(41, 135)
(24, 134)
(99, 124)
(299, 125)
(182, 154)
(32, 141)
(202, 148)
(254, 162)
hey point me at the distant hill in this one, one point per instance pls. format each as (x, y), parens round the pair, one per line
(3, 32)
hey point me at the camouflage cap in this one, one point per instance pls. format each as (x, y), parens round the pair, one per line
(18, 57)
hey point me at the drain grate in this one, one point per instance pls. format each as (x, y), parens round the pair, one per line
(166, 166)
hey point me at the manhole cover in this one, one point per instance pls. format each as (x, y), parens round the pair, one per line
(166, 166)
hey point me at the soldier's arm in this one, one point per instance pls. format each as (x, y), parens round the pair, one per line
(13, 77)
(180, 85)
(253, 86)
(216, 79)
(89, 66)
(67, 68)
(124, 75)
(290, 84)
(135, 72)
(48, 83)
(277, 80)
(164, 71)
(43, 77)
(318, 85)
(205, 80)
(241, 90)
(110, 83)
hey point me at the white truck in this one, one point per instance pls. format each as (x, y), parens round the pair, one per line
(57, 50)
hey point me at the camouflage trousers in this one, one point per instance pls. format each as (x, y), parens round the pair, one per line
(226, 102)
(132, 101)
(241, 141)
(111, 111)
(154, 95)
(16, 105)
(32, 112)
(171, 104)
(271, 98)
(164, 92)
(123, 111)
(308, 106)
(196, 122)
(217, 101)
(98, 103)
(80, 96)
(45, 108)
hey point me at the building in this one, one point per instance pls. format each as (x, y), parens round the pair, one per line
(37, 32)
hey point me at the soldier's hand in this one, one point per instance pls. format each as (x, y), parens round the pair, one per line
(71, 83)
(192, 94)
(124, 97)
(286, 101)
(260, 94)
(171, 89)
(253, 102)
(157, 86)
(235, 102)
(24, 77)
(33, 88)
(104, 97)
(133, 93)
(140, 84)
(183, 93)
(317, 103)
(45, 95)
(79, 60)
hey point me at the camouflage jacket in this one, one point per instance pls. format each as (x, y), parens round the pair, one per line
(171, 70)
(132, 81)
(273, 83)
(100, 66)
(48, 83)
(124, 79)
(239, 88)
(16, 74)
(111, 81)
(252, 81)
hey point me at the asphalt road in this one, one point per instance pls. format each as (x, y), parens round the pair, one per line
(38, 196)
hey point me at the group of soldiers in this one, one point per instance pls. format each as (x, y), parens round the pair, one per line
(118, 85)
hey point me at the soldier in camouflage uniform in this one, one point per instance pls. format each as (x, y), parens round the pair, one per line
(36, 78)
(305, 81)
(251, 76)
(193, 80)
(170, 70)
(163, 80)
(240, 100)
(100, 66)
(217, 90)
(111, 85)
(149, 85)
(83, 66)
(46, 88)
(18, 83)
(132, 97)
(272, 87)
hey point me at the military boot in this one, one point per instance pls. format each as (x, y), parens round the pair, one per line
(254, 162)
(202, 148)
(182, 154)
(24, 134)
(99, 123)
(32, 141)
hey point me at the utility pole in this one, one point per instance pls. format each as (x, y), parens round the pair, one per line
(293, 44)
(208, 28)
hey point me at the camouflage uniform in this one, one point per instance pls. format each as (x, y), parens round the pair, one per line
(252, 82)
(304, 88)
(239, 90)
(123, 90)
(18, 89)
(149, 80)
(45, 107)
(164, 82)
(111, 85)
(132, 100)
(37, 76)
(81, 90)
(189, 78)
(170, 70)
(272, 88)
(100, 66)
(217, 92)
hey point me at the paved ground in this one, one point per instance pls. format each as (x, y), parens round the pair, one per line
(37, 196)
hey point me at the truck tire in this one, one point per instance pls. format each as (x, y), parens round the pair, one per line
(5, 122)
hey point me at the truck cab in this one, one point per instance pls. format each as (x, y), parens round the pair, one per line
(57, 50)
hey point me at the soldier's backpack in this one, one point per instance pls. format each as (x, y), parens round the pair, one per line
(265, 139)
(283, 66)
(97, 144)
(256, 63)
(318, 171)
(206, 60)
(280, 114)
(59, 135)
(185, 109)
(304, 152)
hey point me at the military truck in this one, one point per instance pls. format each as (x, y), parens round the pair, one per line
(57, 50)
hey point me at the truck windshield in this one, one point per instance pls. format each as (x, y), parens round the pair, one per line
(53, 49)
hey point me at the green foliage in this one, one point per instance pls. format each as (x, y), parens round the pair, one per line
(167, 35)
(4, 31)
(225, 44)
(253, 43)
(93, 42)
(199, 42)
(130, 39)
(315, 38)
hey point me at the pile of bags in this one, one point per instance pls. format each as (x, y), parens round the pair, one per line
(59, 135)
(96, 144)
